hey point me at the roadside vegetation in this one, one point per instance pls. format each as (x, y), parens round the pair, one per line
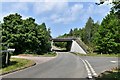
(99, 55)
(110, 75)
(48, 54)
(17, 64)
(25, 36)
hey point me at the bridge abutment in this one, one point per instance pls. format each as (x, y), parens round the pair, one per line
(75, 47)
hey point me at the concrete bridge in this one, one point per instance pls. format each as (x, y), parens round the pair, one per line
(73, 44)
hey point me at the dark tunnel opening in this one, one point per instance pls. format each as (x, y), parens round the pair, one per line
(64, 46)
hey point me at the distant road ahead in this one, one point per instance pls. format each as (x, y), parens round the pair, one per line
(66, 65)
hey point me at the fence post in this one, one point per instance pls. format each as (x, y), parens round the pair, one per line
(6, 58)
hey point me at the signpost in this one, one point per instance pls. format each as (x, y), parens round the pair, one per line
(7, 54)
(8, 50)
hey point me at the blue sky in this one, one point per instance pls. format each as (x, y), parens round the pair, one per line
(59, 16)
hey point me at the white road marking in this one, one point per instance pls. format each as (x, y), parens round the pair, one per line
(113, 61)
(88, 70)
(92, 70)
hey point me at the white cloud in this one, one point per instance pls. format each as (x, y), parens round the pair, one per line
(42, 7)
(77, 7)
(96, 12)
(50, 0)
(100, 10)
(76, 10)
(69, 14)
(90, 9)
(34, 0)
(57, 12)
(15, 7)
(12, 8)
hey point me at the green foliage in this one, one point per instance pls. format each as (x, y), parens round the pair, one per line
(116, 8)
(107, 38)
(88, 31)
(61, 44)
(25, 35)
(113, 74)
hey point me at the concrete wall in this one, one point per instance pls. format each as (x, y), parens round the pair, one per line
(76, 48)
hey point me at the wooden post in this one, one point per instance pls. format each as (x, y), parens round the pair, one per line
(7, 58)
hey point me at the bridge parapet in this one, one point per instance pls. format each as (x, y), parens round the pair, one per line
(62, 39)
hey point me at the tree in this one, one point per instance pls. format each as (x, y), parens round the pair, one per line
(108, 37)
(116, 8)
(71, 32)
(25, 35)
(76, 32)
(88, 30)
(94, 30)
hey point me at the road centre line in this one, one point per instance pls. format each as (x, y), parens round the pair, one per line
(88, 70)
(91, 68)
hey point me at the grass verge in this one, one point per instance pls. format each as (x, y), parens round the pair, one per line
(49, 54)
(16, 64)
(110, 75)
(99, 55)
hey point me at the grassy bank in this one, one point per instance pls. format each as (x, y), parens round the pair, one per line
(100, 55)
(49, 54)
(110, 75)
(17, 64)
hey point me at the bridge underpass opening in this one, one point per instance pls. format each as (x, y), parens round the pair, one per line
(64, 43)
(69, 44)
(63, 46)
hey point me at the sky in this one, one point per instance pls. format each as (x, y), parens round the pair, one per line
(59, 16)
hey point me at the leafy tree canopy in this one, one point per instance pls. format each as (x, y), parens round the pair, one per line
(25, 35)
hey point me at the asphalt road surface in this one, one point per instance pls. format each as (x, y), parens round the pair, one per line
(67, 65)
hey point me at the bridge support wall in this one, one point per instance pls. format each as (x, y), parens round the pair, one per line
(75, 47)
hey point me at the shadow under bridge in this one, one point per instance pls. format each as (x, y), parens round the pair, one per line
(72, 45)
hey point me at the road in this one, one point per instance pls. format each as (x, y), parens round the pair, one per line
(66, 65)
